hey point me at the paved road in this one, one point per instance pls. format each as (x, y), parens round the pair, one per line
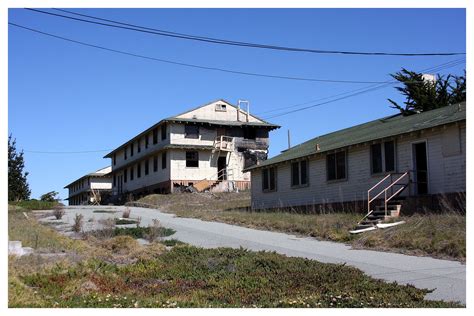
(447, 278)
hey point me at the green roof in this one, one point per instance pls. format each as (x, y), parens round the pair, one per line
(377, 129)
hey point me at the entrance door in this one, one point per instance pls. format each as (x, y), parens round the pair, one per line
(420, 163)
(222, 168)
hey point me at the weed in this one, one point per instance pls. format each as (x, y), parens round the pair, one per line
(78, 223)
(58, 211)
(126, 213)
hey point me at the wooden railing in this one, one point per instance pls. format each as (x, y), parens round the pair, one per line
(384, 191)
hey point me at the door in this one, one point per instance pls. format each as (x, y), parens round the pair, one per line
(420, 163)
(222, 168)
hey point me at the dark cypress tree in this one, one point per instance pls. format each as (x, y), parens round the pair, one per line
(424, 95)
(18, 188)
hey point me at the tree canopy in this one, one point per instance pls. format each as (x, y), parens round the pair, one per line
(18, 188)
(424, 95)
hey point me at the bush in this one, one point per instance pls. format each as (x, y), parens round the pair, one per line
(78, 223)
(126, 213)
(58, 212)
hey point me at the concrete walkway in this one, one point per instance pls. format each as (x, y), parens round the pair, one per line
(446, 278)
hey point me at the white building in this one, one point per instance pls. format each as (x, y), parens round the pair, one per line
(421, 155)
(204, 147)
(92, 188)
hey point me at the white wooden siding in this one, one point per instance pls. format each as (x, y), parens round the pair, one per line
(446, 174)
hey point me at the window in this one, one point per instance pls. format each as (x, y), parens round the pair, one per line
(139, 145)
(131, 173)
(299, 173)
(163, 132)
(269, 179)
(389, 148)
(115, 159)
(192, 159)
(131, 149)
(336, 166)
(139, 170)
(155, 136)
(382, 156)
(221, 107)
(125, 175)
(191, 131)
(115, 180)
(147, 167)
(376, 157)
(155, 164)
(163, 160)
(146, 141)
(125, 153)
(250, 133)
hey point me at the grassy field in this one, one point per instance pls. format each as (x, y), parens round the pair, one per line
(33, 205)
(435, 235)
(119, 272)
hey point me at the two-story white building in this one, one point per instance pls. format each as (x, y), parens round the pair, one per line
(92, 188)
(203, 147)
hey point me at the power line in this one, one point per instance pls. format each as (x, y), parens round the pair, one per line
(253, 74)
(341, 98)
(387, 83)
(136, 28)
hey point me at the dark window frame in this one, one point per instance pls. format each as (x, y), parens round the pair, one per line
(131, 149)
(114, 159)
(125, 153)
(163, 132)
(301, 176)
(139, 146)
(155, 163)
(155, 136)
(147, 167)
(384, 162)
(125, 172)
(163, 160)
(269, 179)
(147, 141)
(335, 158)
(131, 173)
(139, 169)
(194, 161)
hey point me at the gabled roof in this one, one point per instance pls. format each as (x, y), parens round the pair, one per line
(177, 119)
(98, 173)
(381, 128)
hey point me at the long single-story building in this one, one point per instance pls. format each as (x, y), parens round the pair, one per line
(423, 155)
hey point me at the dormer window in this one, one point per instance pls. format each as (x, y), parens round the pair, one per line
(221, 107)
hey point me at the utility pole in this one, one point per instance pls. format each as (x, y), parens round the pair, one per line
(289, 140)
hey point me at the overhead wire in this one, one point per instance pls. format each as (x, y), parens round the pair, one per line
(148, 30)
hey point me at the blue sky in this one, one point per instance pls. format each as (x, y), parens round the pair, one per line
(67, 97)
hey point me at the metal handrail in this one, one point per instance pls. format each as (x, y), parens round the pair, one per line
(398, 191)
(372, 188)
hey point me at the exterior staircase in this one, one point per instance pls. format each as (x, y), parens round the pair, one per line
(388, 191)
(213, 181)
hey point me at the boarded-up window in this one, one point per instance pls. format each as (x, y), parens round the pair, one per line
(191, 131)
(192, 159)
(336, 166)
(269, 179)
(451, 142)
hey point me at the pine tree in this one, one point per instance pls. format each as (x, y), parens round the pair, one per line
(18, 188)
(424, 95)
